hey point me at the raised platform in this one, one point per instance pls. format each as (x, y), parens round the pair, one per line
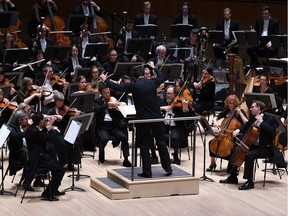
(117, 184)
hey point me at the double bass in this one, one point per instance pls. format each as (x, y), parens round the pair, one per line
(56, 24)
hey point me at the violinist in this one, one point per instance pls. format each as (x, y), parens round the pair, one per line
(110, 122)
(183, 93)
(206, 86)
(231, 105)
(94, 78)
(39, 13)
(160, 56)
(81, 85)
(170, 109)
(6, 82)
(5, 112)
(109, 65)
(264, 147)
(73, 62)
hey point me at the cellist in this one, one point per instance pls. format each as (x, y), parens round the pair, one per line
(263, 148)
(231, 105)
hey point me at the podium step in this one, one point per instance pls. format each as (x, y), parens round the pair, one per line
(117, 184)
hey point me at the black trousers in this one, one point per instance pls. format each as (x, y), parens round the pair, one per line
(143, 138)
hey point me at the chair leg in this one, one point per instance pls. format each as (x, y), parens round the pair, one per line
(265, 172)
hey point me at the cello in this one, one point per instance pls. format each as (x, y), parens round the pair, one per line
(56, 24)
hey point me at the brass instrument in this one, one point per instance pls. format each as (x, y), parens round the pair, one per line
(202, 44)
(230, 46)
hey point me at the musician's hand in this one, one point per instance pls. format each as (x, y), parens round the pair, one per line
(12, 91)
(113, 104)
(38, 94)
(185, 107)
(35, 45)
(49, 63)
(134, 58)
(269, 44)
(215, 123)
(259, 119)
(103, 77)
(94, 59)
(238, 110)
(151, 64)
(197, 85)
(235, 132)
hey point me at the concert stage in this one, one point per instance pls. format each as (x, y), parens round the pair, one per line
(117, 184)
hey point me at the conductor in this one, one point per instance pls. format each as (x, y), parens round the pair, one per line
(147, 106)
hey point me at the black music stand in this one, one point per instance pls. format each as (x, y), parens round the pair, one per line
(240, 37)
(216, 36)
(19, 55)
(15, 77)
(125, 68)
(207, 130)
(5, 19)
(180, 30)
(75, 21)
(182, 52)
(139, 45)
(147, 31)
(96, 49)
(4, 133)
(71, 134)
(276, 41)
(172, 71)
(84, 101)
(252, 38)
(266, 98)
(56, 53)
(81, 71)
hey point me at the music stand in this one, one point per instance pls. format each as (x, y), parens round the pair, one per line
(5, 19)
(139, 45)
(96, 49)
(147, 31)
(182, 53)
(240, 37)
(54, 52)
(207, 130)
(84, 101)
(216, 36)
(180, 30)
(4, 133)
(172, 71)
(19, 55)
(125, 68)
(15, 77)
(75, 21)
(252, 38)
(71, 133)
(81, 71)
(276, 41)
(266, 98)
(6, 91)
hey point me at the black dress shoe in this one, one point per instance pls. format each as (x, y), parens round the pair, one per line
(49, 198)
(127, 163)
(58, 193)
(247, 185)
(144, 175)
(169, 171)
(229, 180)
(211, 168)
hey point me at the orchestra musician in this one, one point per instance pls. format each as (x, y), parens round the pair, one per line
(147, 106)
(6, 82)
(110, 64)
(5, 112)
(110, 122)
(207, 91)
(263, 148)
(231, 105)
(37, 136)
(170, 108)
(8, 43)
(145, 18)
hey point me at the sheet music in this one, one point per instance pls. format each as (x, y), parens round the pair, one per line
(72, 132)
(127, 110)
(4, 133)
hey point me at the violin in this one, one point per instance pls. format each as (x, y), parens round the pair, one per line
(40, 89)
(65, 110)
(56, 79)
(205, 81)
(5, 103)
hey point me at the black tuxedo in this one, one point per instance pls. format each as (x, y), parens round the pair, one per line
(192, 20)
(139, 19)
(67, 63)
(48, 40)
(38, 158)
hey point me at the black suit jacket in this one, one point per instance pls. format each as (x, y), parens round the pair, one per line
(139, 19)
(67, 63)
(78, 10)
(233, 27)
(192, 20)
(49, 41)
(273, 27)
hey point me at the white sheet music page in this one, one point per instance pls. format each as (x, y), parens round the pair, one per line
(127, 110)
(4, 133)
(72, 131)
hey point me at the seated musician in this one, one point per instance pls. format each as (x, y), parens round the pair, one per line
(206, 86)
(93, 78)
(262, 147)
(41, 41)
(6, 82)
(160, 57)
(109, 65)
(109, 123)
(171, 107)
(5, 111)
(231, 105)
(37, 136)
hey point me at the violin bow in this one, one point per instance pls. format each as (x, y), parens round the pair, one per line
(164, 62)
(69, 106)
(60, 76)
(121, 97)
(8, 104)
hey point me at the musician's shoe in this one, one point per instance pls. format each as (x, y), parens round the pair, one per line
(176, 161)
(169, 171)
(247, 185)
(59, 193)
(48, 197)
(144, 175)
(127, 163)
(229, 180)
(211, 168)
(101, 155)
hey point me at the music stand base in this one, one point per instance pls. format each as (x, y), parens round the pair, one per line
(3, 192)
(204, 178)
(74, 188)
(78, 176)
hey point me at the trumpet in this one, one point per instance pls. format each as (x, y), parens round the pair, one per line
(229, 46)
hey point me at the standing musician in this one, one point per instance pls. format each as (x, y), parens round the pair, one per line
(264, 146)
(171, 107)
(146, 18)
(233, 118)
(110, 122)
(206, 86)
(37, 136)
